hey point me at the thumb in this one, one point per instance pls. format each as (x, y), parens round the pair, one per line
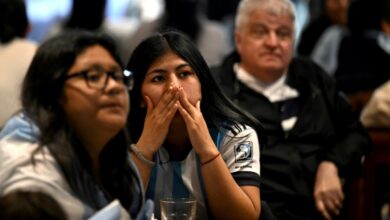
(149, 104)
(198, 105)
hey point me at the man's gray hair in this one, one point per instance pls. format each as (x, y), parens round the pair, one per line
(277, 7)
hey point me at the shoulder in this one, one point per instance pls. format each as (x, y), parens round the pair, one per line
(239, 132)
(16, 166)
(26, 44)
(15, 152)
(306, 69)
(223, 73)
(241, 150)
(17, 172)
(20, 47)
(303, 64)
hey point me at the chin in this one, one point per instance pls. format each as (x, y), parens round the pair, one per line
(272, 61)
(115, 122)
(272, 66)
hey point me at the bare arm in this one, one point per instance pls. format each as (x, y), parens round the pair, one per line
(238, 202)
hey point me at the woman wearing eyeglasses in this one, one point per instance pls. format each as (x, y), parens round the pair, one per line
(70, 141)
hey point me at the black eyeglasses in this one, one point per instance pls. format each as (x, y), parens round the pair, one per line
(97, 78)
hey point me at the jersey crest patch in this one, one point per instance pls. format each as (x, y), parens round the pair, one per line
(243, 151)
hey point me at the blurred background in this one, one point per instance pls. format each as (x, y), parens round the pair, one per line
(44, 14)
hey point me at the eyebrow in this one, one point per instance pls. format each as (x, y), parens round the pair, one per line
(257, 24)
(159, 70)
(100, 66)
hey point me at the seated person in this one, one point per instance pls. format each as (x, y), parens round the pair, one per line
(16, 53)
(190, 140)
(314, 140)
(70, 141)
(363, 55)
(334, 13)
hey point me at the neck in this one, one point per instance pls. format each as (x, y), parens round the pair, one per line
(268, 77)
(265, 76)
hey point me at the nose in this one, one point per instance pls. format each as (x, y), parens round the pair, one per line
(114, 86)
(271, 40)
(173, 80)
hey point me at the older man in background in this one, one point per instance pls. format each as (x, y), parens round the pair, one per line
(315, 142)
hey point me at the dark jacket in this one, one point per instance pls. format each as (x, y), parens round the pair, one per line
(326, 129)
(362, 64)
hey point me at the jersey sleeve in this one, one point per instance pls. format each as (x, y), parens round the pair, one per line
(241, 153)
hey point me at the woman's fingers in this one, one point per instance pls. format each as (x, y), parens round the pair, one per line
(183, 112)
(168, 100)
(186, 103)
(149, 104)
(165, 105)
(198, 105)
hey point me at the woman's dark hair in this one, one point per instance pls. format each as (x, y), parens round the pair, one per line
(86, 14)
(217, 110)
(42, 88)
(30, 205)
(13, 20)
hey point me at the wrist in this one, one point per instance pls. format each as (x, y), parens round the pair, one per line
(142, 157)
(206, 155)
(145, 149)
(210, 160)
(328, 166)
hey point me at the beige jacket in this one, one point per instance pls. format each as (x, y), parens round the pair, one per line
(376, 114)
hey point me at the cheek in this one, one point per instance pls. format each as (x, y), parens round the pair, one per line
(288, 52)
(71, 102)
(77, 108)
(154, 94)
(193, 92)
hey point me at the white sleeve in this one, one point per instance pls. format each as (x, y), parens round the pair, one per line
(18, 173)
(241, 152)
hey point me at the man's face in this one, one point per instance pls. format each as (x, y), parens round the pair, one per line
(265, 44)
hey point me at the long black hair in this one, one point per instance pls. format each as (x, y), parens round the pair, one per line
(217, 110)
(42, 87)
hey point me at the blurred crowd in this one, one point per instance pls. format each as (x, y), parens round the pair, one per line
(349, 40)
